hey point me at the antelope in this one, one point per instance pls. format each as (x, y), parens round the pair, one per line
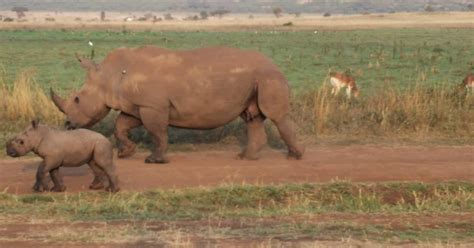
(340, 80)
(468, 82)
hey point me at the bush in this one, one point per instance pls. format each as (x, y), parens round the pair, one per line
(277, 11)
(168, 17)
(219, 13)
(429, 8)
(327, 14)
(204, 15)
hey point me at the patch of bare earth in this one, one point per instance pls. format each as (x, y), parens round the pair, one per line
(355, 163)
(235, 22)
(211, 233)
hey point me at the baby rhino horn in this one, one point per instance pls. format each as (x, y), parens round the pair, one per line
(58, 101)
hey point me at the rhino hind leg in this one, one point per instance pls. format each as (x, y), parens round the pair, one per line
(286, 130)
(99, 177)
(123, 125)
(256, 138)
(103, 159)
(274, 102)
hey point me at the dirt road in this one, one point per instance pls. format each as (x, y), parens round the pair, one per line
(321, 164)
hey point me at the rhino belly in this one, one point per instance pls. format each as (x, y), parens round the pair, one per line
(218, 104)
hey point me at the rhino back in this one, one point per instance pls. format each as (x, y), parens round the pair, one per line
(71, 148)
(205, 87)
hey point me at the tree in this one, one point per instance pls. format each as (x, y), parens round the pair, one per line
(203, 15)
(277, 11)
(168, 17)
(102, 15)
(470, 7)
(220, 13)
(429, 8)
(20, 11)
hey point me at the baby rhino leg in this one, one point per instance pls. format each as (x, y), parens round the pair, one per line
(99, 176)
(103, 159)
(40, 184)
(46, 168)
(57, 180)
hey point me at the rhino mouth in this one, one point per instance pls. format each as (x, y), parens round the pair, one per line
(12, 153)
(70, 126)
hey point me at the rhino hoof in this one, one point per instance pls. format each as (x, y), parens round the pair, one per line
(126, 152)
(296, 155)
(37, 188)
(95, 186)
(153, 160)
(112, 189)
(40, 188)
(58, 189)
(243, 156)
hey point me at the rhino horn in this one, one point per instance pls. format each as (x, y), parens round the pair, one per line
(87, 64)
(58, 101)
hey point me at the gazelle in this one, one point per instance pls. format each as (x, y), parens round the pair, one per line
(468, 82)
(340, 80)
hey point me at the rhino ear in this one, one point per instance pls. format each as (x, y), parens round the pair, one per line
(35, 123)
(87, 64)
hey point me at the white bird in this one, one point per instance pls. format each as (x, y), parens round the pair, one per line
(90, 43)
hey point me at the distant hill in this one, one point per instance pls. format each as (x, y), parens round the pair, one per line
(242, 6)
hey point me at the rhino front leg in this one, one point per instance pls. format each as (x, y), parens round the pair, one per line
(42, 173)
(38, 186)
(123, 125)
(156, 122)
(57, 180)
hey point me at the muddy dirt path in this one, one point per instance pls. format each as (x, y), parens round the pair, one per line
(209, 168)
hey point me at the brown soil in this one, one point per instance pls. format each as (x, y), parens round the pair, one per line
(209, 168)
(233, 22)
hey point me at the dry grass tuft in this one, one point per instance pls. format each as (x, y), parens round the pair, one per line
(417, 111)
(24, 100)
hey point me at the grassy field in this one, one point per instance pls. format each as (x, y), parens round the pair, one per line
(376, 57)
(387, 213)
(408, 78)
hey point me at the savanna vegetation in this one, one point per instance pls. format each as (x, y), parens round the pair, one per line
(387, 213)
(409, 79)
(409, 82)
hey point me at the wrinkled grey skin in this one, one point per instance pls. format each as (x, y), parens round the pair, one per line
(198, 89)
(69, 149)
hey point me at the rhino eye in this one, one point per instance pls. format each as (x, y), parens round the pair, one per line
(22, 142)
(76, 99)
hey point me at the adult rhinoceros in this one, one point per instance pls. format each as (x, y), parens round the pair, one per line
(200, 89)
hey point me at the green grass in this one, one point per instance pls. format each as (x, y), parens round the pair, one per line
(336, 230)
(239, 201)
(376, 57)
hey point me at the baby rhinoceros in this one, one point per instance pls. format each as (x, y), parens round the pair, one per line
(69, 149)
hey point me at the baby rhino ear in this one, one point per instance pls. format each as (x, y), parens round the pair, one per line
(35, 123)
